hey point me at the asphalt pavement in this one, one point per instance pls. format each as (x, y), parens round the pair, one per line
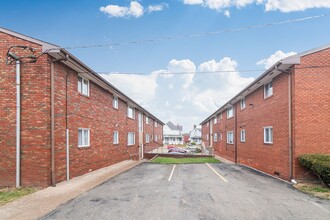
(192, 191)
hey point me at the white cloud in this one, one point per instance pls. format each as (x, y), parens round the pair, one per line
(269, 5)
(183, 98)
(134, 10)
(272, 59)
(160, 7)
(227, 13)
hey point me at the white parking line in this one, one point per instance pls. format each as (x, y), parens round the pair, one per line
(217, 173)
(169, 179)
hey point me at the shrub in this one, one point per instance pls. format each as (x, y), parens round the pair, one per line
(319, 164)
(193, 143)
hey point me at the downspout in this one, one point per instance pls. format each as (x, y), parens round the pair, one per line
(235, 132)
(67, 129)
(52, 133)
(18, 124)
(290, 126)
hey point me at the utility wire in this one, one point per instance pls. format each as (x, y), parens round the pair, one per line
(197, 34)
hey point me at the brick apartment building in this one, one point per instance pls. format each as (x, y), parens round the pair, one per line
(69, 120)
(284, 113)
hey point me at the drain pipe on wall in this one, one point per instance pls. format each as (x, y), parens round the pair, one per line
(290, 126)
(67, 129)
(18, 124)
(52, 133)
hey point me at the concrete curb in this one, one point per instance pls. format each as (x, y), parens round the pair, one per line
(223, 159)
(44, 201)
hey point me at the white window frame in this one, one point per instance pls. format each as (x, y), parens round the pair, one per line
(156, 138)
(220, 136)
(147, 138)
(215, 120)
(128, 139)
(230, 137)
(81, 83)
(243, 135)
(207, 137)
(230, 112)
(243, 104)
(207, 124)
(130, 110)
(115, 102)
(147, 120)
(268, 89)
(269, 130)
(215, 137)
(83, 130)
(156, 124)
(115, 137)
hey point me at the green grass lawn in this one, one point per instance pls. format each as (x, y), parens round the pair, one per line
(170, 160)
(10, 194)
(315, 189)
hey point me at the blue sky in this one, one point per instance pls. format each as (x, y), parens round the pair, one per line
(185, 99)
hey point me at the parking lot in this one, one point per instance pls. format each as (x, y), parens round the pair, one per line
(193, 191)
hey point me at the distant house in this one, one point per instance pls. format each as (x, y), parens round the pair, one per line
(195, 135)
(186, 138)
(172, 133)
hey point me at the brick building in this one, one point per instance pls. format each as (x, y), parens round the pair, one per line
(68, 121)
(284, 113)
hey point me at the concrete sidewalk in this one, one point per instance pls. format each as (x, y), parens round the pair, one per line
(42, 202)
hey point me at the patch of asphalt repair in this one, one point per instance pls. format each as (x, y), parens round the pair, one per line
(194, 192)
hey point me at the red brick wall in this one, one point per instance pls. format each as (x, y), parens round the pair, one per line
(311, 98)
(153, 132)
(205, 132)
(35, 117)
(260, 113)
(95, 112)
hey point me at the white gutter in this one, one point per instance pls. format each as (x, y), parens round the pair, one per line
(18, 124)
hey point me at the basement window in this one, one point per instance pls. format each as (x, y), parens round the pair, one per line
(268, 135)
(83, 137)
(115, 137)
(83, 86)
(242, 135)
(147, 138)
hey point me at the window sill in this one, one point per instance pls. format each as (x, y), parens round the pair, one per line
(115, 108)
(84, 147)
(230, 143)
(130, 145)
(268, 97)
(268, 143)
(86, 96)
(230, 117)
(130, 118)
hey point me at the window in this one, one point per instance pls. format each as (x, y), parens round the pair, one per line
(220, 136)
(147, 120)
(242, 104)
(268, 90)
(156, 124)
(215, 120)
(207, 124)
(130, 138)
(130, 112)
(268, 135)
(242, 135)
(207, 137)
(215, 137)
(147, 138)
(156, 137)
(115, 102)
(220, 116)
(83, 86)
(230, 112)
(115, 137)
(230, 137)
(83, 137)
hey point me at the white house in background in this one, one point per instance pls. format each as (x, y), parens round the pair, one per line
(172, 134)
(195, 135)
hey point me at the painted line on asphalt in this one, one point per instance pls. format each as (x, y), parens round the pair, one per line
(169, 179)
(218, 174)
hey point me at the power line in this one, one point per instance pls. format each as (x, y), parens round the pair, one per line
(196, 34)
(206, 72)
